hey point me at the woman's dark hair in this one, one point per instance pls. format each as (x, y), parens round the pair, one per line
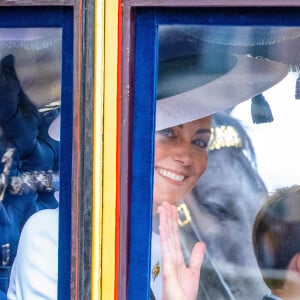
(276, 234)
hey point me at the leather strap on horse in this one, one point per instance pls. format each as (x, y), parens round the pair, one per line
(189, 235)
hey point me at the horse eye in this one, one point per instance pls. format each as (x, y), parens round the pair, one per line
(219, 211)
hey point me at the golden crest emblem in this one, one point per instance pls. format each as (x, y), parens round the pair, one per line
(155, 271)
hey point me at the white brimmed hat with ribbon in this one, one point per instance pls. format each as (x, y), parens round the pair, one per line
(247, 78)
(206, 81)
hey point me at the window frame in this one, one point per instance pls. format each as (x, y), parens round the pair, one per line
(77, 145)
(139, 23)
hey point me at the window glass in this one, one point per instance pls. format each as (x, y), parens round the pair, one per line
(30, 100)
(226, 137)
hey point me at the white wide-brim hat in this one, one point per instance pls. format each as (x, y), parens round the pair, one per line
(180, 101)
(204, 69)
(37, 61)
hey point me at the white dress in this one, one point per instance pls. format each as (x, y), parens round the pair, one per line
(155, 276)
(34, 271)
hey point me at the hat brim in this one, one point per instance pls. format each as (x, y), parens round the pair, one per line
(273, 42)
(249, 77)
(54, 129)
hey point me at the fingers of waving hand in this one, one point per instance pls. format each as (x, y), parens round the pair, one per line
(179, 281)
(169, 236)
(196, 259)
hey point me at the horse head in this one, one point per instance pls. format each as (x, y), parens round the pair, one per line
(223, 206)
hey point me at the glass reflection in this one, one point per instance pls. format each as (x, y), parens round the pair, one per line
(203, 71)
(30, 89)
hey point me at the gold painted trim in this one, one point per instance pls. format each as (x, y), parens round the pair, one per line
(97, 221)
(105, 146)
(110, 147)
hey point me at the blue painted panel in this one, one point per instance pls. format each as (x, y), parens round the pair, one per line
(142, 156)
(147, 22)
(56, 17)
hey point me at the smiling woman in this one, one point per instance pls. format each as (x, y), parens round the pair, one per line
(180, 159)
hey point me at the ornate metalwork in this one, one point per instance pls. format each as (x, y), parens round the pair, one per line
(28, 182)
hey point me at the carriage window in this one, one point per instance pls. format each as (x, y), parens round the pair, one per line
(227, 117)
(30, 100)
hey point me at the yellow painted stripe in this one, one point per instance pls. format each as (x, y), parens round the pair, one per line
(97, 220)
(105, 133)
(109, 147)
